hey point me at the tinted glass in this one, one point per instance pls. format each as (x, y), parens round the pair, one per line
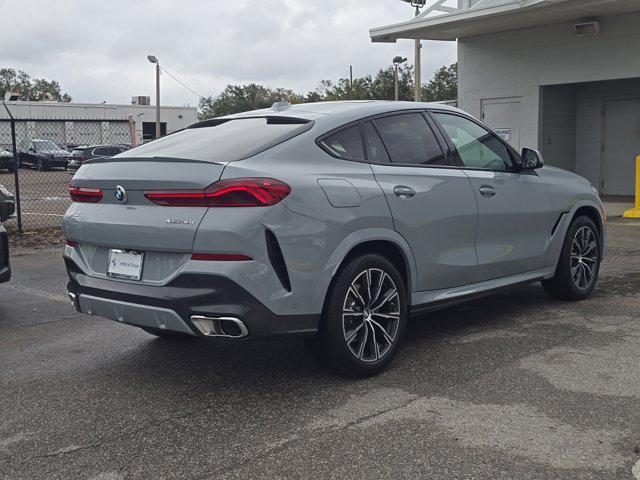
(375, 148)
(409, 139)
(46, 145)
(476, 147)
(106, 151)
(228, 141)
(346, 143)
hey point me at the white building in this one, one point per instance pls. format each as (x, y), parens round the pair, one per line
(559, 75)
(88, 123)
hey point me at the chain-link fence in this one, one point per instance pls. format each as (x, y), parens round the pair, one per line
(47, 152)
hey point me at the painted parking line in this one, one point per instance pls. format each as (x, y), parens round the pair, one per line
(38, 293)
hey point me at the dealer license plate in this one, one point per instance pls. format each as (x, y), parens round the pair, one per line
(123, 264)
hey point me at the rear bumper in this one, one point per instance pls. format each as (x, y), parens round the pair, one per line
(7, 209)
(5, 269)
(171, 307)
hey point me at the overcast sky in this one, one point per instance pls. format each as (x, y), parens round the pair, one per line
(97, 49)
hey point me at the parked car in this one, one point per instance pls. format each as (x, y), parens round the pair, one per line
(41, 154)
(79, 155)
(6, 160)
(5, 268)
(332, 222)
(7, 203)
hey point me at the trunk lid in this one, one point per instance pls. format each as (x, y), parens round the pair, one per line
(135, 222)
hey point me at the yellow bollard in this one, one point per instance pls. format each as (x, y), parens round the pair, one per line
(635, 212)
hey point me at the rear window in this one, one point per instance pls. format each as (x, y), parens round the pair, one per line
(223, 142)
(107, 151)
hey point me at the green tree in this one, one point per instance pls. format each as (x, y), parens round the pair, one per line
(28, 88)
(242, 98)
(380, 87)
(443, 86)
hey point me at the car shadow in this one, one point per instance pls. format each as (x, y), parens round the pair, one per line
(430, 340)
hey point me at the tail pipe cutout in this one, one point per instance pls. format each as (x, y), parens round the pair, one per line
(220, 327)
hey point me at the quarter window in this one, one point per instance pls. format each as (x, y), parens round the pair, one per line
(375, 148)
(475, 147)
(409, 139)
(346, 143)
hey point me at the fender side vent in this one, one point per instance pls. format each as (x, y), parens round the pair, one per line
(277, 260)
(557, 224)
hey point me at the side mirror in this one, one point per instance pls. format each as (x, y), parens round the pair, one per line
(531, 159)
(32, 150)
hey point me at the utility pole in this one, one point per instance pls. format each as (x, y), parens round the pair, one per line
(417, 4)
(350, 82)
(154, 59)
(418, 72)
(158, 130)
(397, 61)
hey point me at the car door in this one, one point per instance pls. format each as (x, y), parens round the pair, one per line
(515, 217)
(432, 203)
(26, 154)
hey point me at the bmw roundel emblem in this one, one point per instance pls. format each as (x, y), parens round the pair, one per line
(120, 194)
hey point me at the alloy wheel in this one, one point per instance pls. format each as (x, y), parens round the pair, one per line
(371, 315)
(584, 258)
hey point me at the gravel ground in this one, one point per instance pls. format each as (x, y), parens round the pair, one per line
(512, 386)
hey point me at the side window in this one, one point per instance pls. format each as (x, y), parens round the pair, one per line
(346, 143)
(105, 151)
(476, 147)
(409, 139)
(375, 148)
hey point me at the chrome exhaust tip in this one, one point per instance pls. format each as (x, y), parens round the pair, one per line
(221, 327)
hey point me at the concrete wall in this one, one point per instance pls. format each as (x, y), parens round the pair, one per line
(558, 137)
(589, 124)
(518, 63)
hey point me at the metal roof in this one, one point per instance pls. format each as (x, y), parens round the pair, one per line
(492, 16)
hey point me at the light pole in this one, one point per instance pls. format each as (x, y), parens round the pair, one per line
(417, 4)
(154, 59)
(397, 61)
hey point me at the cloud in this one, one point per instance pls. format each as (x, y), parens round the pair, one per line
(97, 50)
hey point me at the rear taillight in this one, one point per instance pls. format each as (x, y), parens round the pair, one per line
(84, 195)
(236, 192)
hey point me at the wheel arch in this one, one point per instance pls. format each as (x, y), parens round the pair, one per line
(387, 243)
(587, 207)
(593, 213)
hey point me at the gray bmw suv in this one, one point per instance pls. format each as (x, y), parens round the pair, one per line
(332, 222)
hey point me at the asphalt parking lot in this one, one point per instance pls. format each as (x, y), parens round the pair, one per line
(512, 386)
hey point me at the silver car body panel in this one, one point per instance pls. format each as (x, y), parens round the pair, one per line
(450, 250)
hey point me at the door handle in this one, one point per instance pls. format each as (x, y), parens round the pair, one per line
(487, 191)
(404, 192)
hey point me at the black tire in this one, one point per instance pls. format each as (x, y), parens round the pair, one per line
(366, 354)
(166, 335)
(40, 165)
(579, 265)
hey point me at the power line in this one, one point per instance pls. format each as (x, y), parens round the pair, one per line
(185, 86)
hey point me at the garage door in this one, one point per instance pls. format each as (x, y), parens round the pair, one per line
(621, 146)
(503, 116)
